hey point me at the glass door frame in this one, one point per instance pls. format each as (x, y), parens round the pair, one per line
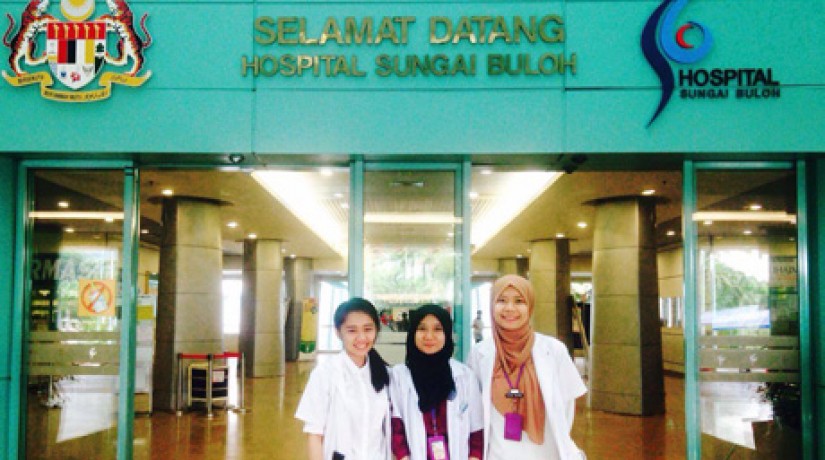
(690, 232)
(463, 210)
(22, 284)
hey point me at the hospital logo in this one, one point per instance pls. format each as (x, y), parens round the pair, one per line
(76, 50)
(664, 41)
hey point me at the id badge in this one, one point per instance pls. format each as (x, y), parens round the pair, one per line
(437, 448)
(512, 426)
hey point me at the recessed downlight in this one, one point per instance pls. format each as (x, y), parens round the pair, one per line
(252, 236)
(62, 204)
(232, 224)
(648, 192)
(755, 207)
(671, 233)
(69, 230)
(167, 192)
(582, 225)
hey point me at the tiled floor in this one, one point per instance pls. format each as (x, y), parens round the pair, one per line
(269, 431)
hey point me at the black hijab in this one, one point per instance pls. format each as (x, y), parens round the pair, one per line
(431, 374)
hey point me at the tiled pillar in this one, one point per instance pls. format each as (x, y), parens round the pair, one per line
(550, 276)
(189, 293)
(262, 318)
(298, 274)
(513, 266)
(627, 343)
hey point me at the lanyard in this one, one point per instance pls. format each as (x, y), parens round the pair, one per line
(514, 391)
(435, 427)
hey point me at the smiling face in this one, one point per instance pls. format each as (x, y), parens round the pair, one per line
(510, 310)
(429, 336)
(357, 333)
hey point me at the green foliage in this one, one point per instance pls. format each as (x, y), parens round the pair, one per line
(735, 289)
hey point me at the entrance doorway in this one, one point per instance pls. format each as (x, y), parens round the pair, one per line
(230, 227)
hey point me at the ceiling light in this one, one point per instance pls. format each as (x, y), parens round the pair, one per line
(167, 192)
(582, 225)
(411, 218)
(755, 207)
(514, 192)
(473, 195)
(559, 235)
(519, 256)
(338, 195)
(232, 224)
(75, 215)
(283, 249)
(63, 204)
(292, 256)
(144, 232)
(109, 219)
(309, 204)
(252, 236)
(326, 172)
(648, 192)
(69, 230)
(745, 216)
(708, 222)
(671, 233)
(747, 232)
(450, 234)
(486, 171)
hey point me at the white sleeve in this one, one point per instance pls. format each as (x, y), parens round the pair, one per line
(472, 362)
(474, 400)
(571, 385)
(313, 409)
(395, 392)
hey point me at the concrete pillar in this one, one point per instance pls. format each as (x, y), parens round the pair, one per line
(262, 314)
(550, 276)
(298, 274)
(626, 344)
(189, 292)
(514, 266)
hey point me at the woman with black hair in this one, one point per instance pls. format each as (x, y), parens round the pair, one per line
(345, 406)
(437, 411)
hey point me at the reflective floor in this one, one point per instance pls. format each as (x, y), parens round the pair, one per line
(269, 431)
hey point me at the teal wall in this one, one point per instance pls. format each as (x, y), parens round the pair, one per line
(197, 101)
(8, 191)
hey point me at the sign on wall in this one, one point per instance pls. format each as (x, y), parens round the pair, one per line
(670, 48)
(76, 50)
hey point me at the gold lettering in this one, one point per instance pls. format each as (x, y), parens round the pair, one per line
(353, 32)
(464, 30)
(331, 32)
(246, 65)
(499, 30)
(264, 25)
(386, 31)
(286, 26)
(405, 21)
(435, 23)
(521, 28)
(557, 34)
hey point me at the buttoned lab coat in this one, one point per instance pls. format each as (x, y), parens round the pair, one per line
(560, 385)
(463, 411)
(327, 402)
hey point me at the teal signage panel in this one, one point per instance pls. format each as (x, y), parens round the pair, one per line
(196, 43)
(614, 121)
(409, 46)
(779, 35)
(403, 122)
(205, 121)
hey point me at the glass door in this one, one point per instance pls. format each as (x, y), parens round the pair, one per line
(77, 304)
(412, 228)
(745, 377)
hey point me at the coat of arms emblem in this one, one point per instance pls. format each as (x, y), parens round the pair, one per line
(76, 50)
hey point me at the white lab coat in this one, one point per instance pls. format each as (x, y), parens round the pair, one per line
(463, 411)
(333, 405)
(560, 385)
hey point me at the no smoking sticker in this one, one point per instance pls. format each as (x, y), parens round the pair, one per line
(97, 298)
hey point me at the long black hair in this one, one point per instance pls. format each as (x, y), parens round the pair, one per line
(431, 374)
(378, 367)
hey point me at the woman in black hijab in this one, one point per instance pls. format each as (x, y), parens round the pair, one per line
(436, 400)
